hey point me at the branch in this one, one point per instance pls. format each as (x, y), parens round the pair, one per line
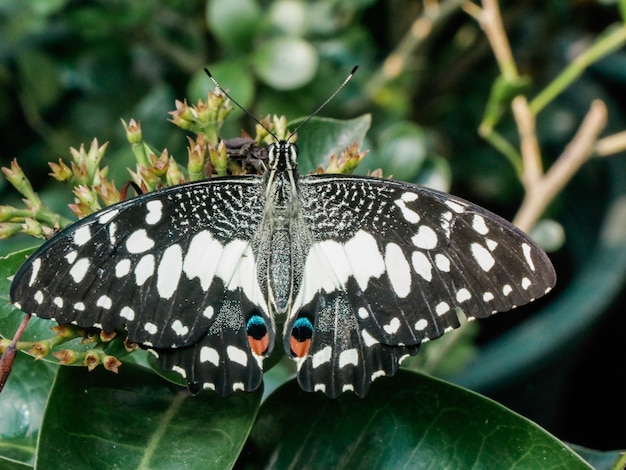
(541, 191)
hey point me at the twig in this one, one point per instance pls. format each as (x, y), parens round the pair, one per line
(531, 153)
(611, 144)
(434, 13)
(540, 192)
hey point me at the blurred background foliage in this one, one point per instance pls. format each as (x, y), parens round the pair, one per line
(69, 70)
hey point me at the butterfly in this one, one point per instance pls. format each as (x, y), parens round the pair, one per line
(359, 271)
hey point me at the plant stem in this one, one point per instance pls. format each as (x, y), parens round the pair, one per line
(612, 39)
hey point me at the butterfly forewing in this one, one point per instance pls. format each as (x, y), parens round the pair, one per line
(174, 268)
(391, 264)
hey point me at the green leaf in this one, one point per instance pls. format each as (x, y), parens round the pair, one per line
(411, 421)
(22, 404)
(286, 63)
(7, 464)
(321, 137)
(402, 150)
(135, 420)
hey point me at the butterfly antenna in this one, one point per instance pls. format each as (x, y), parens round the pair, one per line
(314, 113)
(206, 70)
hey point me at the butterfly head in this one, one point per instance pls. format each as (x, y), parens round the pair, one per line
(282, 156)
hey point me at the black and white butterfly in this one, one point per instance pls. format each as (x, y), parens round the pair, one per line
(360, 270)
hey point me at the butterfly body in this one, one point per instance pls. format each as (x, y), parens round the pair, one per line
(360, 270)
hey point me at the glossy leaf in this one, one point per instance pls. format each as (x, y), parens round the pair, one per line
(410, 421)
(22, 404)
(137, 420)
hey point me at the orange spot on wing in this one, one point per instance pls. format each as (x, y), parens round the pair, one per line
(259, 346)
(300, 348)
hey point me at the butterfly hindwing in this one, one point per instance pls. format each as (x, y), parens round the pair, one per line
(173, 268)
(392, 269)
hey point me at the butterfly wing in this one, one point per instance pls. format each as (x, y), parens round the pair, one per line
(389, 265)
(174, 269)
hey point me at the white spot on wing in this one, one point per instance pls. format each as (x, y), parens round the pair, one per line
(237, 355)
(348, 357)
(208, 312)
(127, 313)
(122, 268)
(104, 301)
(180, 371)
(150, 328)
(33, 275)
(393, 326)
(421, 324)
(507, 289)
(455, 206)
(202, 258)
(442, 308)
(112, 232)
(107, 216)
(80, 306)
(179, 328)
(482, 256)
(169, 271)
(155, 212)
(526, 283)
(422, 265)
(463, 295)
(144, 269)
(527, 250)
(365, 258)
(368, 339)
(208, 354)
(426, 238)
(138, 242)
(398, 270)
(79, 269)
(377, 374)
(442, 262)
(409, 197)
(82, 235)
(488, 297)
(322, 357)
(478, 224)
(409, 215)
(70, 257)
(58, 301)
